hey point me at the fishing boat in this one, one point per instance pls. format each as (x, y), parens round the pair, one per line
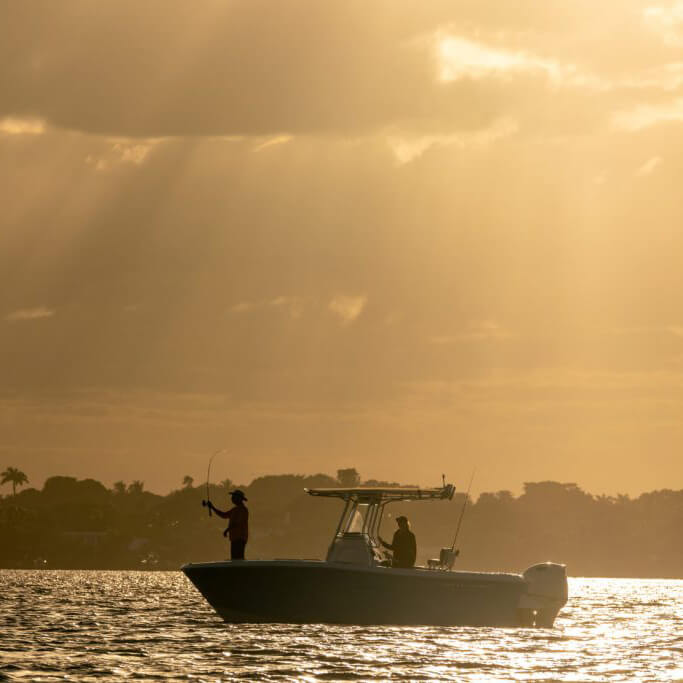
(356, 583)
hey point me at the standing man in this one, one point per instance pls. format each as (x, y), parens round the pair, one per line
(238, 528)
(403, 545)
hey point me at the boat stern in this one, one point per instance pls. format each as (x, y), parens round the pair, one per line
(546, 593)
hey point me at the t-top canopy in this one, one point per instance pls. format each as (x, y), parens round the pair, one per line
(371, 494)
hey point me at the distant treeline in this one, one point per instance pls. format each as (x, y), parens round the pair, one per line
(82, 524)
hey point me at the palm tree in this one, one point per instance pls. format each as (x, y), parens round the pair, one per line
(17, 477)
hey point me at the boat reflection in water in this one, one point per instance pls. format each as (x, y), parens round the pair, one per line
(357, 585)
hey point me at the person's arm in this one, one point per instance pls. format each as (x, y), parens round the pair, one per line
(394, 542)
(388, 546)
(220, 513)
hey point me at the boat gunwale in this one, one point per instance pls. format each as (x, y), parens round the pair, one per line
(417, 572)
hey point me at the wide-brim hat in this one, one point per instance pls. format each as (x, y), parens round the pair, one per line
(237, 493)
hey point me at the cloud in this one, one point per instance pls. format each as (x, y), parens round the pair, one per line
(19, 126)
(132, 153)
(348, 308)
(278, 140)
(406, 149)
(667, 22)
(166, 69)
(647, 115)
(292, 305)
(24, 314)
(460, 57)
(649, 166)
(666, 77)
(268, 170)
(121, 152)
(476, 331)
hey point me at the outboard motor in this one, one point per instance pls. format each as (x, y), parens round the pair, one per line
(545, 595)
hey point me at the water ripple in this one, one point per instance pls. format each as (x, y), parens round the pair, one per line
(95, 626)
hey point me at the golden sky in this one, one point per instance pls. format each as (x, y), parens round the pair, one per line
(406, 236)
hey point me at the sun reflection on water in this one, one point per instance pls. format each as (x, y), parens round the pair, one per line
(111, 625)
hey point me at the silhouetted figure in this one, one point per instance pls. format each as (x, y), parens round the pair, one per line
(403, 545)
(238, 528)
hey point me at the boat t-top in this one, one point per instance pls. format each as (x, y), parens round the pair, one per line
(356, 583)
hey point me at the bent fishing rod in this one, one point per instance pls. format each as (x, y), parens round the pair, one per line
(462, 512)
(207, 502)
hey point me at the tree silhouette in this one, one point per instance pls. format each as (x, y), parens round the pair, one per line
(136, 486)
(188, 481)
(16, 476)
(349, 477)
(124, 527)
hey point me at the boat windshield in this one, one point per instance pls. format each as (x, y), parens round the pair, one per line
(364, 506)
(357, 520)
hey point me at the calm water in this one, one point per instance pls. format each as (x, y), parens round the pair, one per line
(87, 626)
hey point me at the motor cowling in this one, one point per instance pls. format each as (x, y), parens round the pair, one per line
(545, 595)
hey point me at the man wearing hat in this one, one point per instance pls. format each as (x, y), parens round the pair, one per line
(238, 528)
(403, 545)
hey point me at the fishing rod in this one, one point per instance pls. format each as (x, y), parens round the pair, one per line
(462, 512)
(207, 502)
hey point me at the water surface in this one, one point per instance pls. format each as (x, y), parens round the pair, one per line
(95, 626)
